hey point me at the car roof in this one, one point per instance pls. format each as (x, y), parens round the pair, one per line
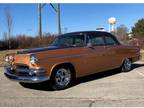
(83, 32)
(88, 33)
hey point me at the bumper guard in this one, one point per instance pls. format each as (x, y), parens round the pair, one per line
(31, 78)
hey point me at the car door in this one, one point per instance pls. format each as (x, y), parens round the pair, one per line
(112, 57)
(77, 53)
(88, 59)
(95, 60)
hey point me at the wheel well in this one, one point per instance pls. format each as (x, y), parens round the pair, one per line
(124, 59)
(130, 59)
(66, 65)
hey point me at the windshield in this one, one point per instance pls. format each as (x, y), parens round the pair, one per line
(67, 41)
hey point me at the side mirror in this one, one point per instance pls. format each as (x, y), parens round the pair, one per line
(89, 45)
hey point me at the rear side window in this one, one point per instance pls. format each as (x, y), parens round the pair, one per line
(110, 41)
(79, 40)
(96, 40)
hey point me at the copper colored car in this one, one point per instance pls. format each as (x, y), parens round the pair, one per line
(70, 56)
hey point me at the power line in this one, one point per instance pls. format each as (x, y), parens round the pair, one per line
(53, 7)
(43, 5)
(58, 15)
(57, 10)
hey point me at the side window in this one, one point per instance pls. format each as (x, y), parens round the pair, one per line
(110, 41)
(67, 41)
(63, 41)
(70, 40)
(79, 40)
(96, 40)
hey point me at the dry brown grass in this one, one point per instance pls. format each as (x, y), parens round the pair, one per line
(142, 54)
(3, 54)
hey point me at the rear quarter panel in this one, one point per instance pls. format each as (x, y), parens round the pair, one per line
(126, 51)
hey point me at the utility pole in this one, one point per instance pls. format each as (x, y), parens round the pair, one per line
(39, 20)
(57, 10)
(59, 23)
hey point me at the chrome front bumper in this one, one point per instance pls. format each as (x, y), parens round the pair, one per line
(29, 78)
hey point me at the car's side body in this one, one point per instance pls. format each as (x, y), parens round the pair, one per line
(86, 59)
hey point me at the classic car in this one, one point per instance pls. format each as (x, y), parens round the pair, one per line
(70, 56)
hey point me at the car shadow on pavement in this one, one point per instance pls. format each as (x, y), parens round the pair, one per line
(45, 86)
(104, 74)
(136, 65)
(96, 76)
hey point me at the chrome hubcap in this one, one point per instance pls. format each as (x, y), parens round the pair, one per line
(127, 64)
(63, 77)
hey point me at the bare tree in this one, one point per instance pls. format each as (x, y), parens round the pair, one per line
(121, 32)
(5, 36)
(9, 22)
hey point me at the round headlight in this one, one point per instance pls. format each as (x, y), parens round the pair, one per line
(33, 59)
(7, 58)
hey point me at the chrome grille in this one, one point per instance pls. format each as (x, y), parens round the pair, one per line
(19, 70)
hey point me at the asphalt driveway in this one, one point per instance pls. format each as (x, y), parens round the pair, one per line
(110, 88)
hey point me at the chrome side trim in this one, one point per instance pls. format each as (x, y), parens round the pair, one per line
(68, 56)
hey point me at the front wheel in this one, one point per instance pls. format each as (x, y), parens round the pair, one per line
(127, 65)
(61, 78)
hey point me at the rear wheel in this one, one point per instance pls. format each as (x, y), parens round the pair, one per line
(61, 78)
(127, 65)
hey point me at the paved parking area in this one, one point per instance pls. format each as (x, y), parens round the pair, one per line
(110, 88)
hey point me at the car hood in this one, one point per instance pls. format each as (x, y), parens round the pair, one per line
(35, 50)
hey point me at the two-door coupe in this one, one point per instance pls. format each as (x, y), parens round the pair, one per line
(70, 56)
